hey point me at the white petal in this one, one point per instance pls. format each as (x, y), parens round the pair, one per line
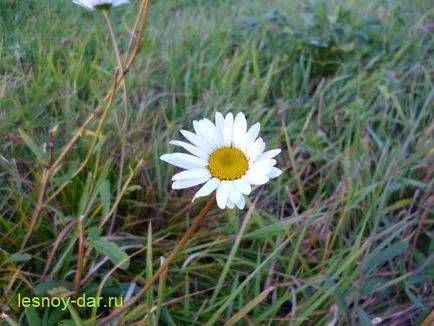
(191, 148)
(274, 173)
(81, 3)
(198, 130)
(239, 131)
(270, 154)
(184, 161)
(191, 174)
(262, 165)
(253, 133)
(212, 133)
(197, 141)
(217, 132)
(227, 129)
(207, 188)
(120, 2)
(234, 194)
(230, 204)
(205, 134)
(182, 184)
(256, 150)
(256, 179)
(241, 202)
(243, 186)
(219, 122)
(222, 194)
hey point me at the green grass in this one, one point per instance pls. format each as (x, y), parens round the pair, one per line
(344, 236)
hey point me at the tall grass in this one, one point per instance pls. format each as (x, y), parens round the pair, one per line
(343, 237)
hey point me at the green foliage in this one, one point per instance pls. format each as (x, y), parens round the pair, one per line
(345, 235)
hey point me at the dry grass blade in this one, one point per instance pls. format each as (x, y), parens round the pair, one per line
(195, 225)
(249, 307)
(108, 98)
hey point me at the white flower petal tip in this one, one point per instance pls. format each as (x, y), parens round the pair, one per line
(192, 174)
(182, 184)
(164, 157)
(225, 157)
(230, 205)
(207, 188)
(241, 203)
(100, 4)
(274, 173)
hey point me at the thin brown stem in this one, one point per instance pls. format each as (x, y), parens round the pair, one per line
(39, 205)
(102, 117)
(135, 30)
(56, 244)
(114, 42)
(80, 259)
(125, 120)
(195, 225)
(51, 146)
(121, 193)
(48, 171)
(140, 25)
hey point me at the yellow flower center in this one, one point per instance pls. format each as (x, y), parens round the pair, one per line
(228, 163)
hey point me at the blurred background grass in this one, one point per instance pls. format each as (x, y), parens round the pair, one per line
(345, 88)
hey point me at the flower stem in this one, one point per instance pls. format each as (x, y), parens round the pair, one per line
(108, 98)
(114, 41)
(125, 120)
(194, 227)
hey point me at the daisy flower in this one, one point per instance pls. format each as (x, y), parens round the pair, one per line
(100, 4)
(225, 157)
